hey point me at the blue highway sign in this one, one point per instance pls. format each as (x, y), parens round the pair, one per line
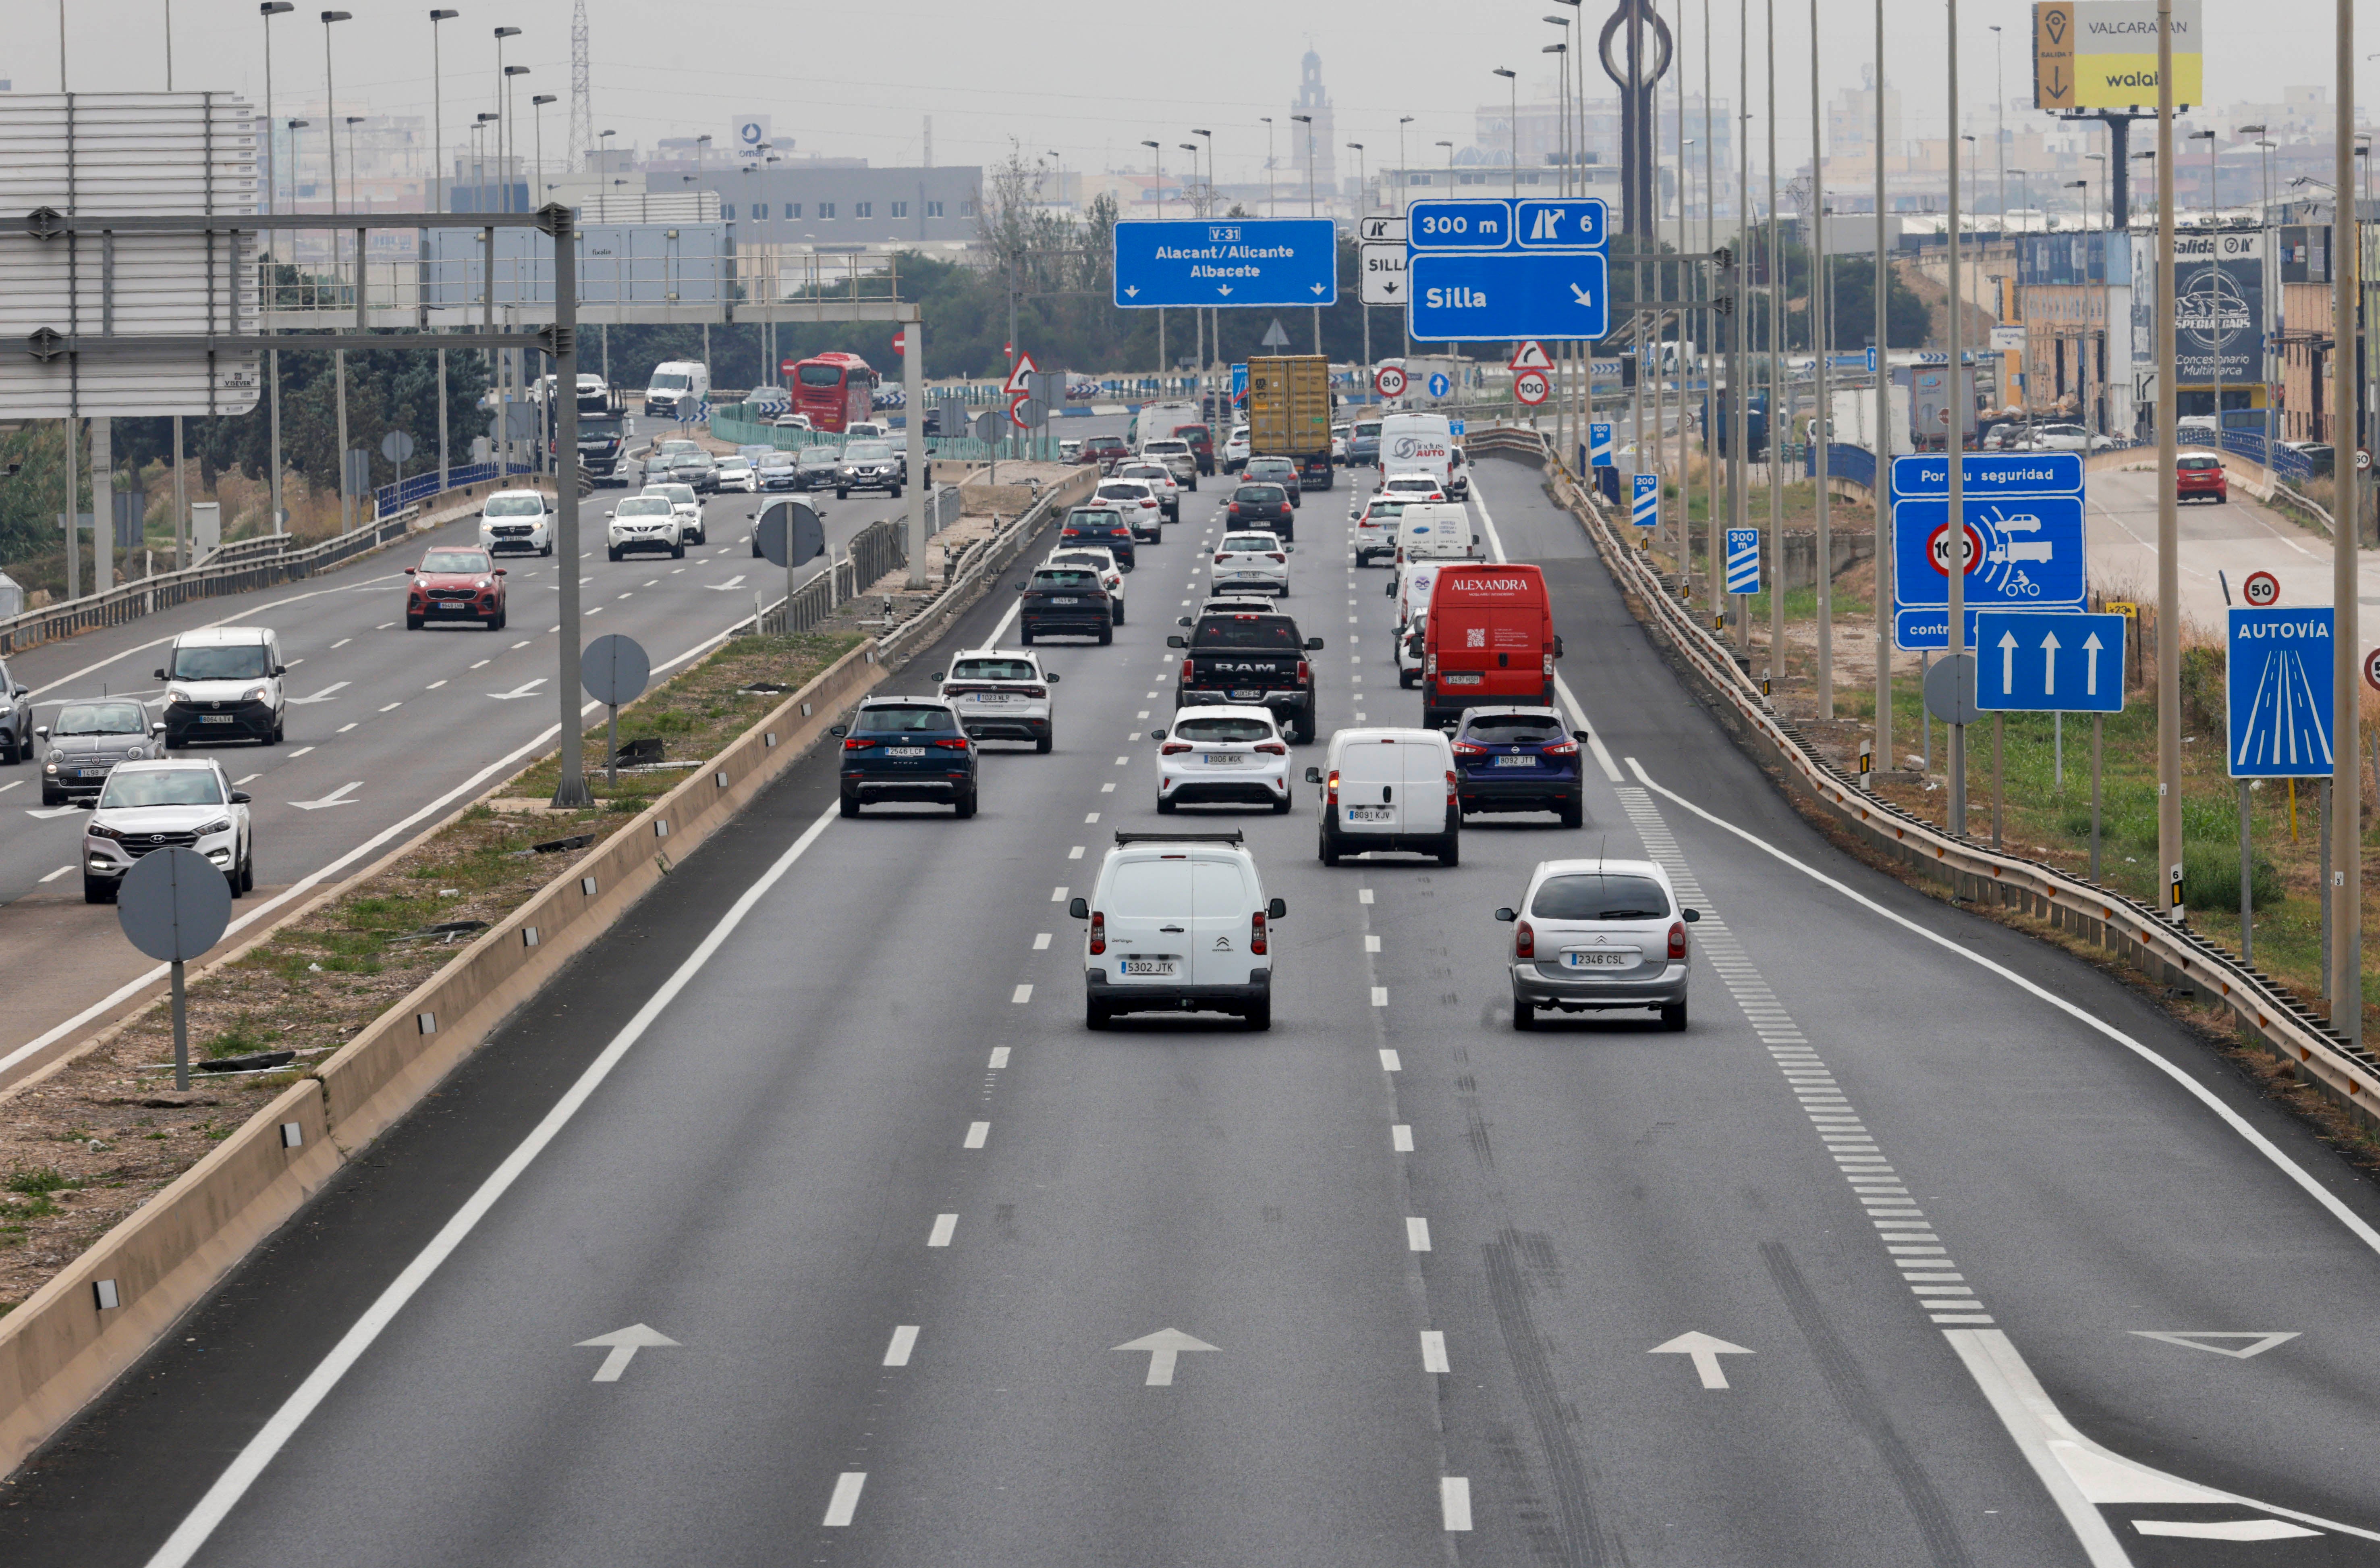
(2023, 545)
(1454, 427)
(1646, 502)
(1517, 294)
(1598, 443)
(1744, 560)
(1497, 224)
(2043, 662)
(1439, 385)
(1231, 263)
(1239, 386)
(2279, 681)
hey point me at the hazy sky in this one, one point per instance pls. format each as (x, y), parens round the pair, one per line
(1086, 81)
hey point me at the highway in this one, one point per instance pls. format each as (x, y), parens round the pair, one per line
(386, 729)
(803, 1219)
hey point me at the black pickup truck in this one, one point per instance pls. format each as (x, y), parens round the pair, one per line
(1249, 660)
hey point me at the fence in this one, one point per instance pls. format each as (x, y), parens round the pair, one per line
(736, 425)
(391, 499)
(874, 551)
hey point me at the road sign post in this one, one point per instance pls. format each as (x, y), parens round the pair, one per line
(2280, 696)
(789, 533)
(174, 905)
(2023, 547)
(614, 670)
(1389, 381)
(1598, 443)
(1743, 557)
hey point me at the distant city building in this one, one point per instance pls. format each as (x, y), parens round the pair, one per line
(1309, 150)
(837, 205)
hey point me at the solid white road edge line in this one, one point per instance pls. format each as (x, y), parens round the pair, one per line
(2289, 1167)
(221, 1498)
(1561, 687)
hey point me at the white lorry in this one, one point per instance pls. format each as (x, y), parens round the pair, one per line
(1854, 420)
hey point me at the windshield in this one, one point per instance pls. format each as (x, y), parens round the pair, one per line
(644, 506)
(818, 375)
(667, 380)
(1370, 427)
(820, 457)
(101, 718)
(1167, 448)
(1064, 580)
(867, 451)
(1147, 471)
(1260, 494)
(1514, 729)
(1099, 562)
(994, 670)
(1380, 512)
(516, 506)
(683, 494)
(2195, 463)
(1276, 632)
(233, 661)
(918, 720)
(673, 448)
(176, 786)
(1093, 522)
(1222, 729)
(1271, 465)
(1601, 895)
(455, 561)
(734, 464)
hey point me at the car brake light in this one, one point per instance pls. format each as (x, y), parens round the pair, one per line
(1450, 786)
(1272, 747)
(1468, 748)
(1431, 667)
(1562, 748)
(1037, 692)
(1677, 939)
(1305, 671)
(1524, 940)
(1334, 789)
(1189, 672)
(1098, 932)
(856, 744)
(1549, 666)
(1278, 557)
(952, 745)
(1257, 932)
(1173, 747)
(1218, 560)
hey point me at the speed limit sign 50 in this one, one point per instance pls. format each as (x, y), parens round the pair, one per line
(2262, 590)
(2372, 669)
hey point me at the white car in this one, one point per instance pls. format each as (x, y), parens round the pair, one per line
(737, 473)
(1458, 475)
(1253, 563)
(866, 430)
(1095, 558)
(1597, 935)
(1413, 649)
(2075, 438)
(1235, 450)
(157, 805)
(1159, 478)
(1176, 454)
(1338, 437)
(1178, 923)
(1002, 696)
(687, 507)
(518, 519)
(643, 522)
(1412, 487)
(1136, 499)
(791, 421)
(1222, 755)
(1375, 531)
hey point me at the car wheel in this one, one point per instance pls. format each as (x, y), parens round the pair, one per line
(50, 800)
(1573, 813)
(1164, 807)
(1674, 1018)
(278, 730)
(248, 872)
(413, 623)
(547, 551)
(677, 552)
(1281, 807)
(1107, 634)
(503, 618)
(1328, 851)
(1094, 1015)
(896, 493)
(1525, 1015)
(12, 753)
(1405, 680)
(1119, 614)
(1450, 848)
(232, 877)
(965, 805)
(840, 494)
(1026, 638)
(1043, 744)
(98, 890)
(615, 554)
(1192, 487)
(851, 806)
(1259, 1017)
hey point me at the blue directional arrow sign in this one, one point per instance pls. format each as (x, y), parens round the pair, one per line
(2279, 681)
(1744, 560)
(1505, 269)
(1645, 512)
(1439, 385)
(2043, 662)
(1598, 443)
(2023, 547)
(1235, 263)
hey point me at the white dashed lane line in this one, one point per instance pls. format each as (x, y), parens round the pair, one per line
(976, 1133)
(945, 1227)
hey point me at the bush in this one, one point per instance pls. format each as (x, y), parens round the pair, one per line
(2210, 877)
(2204, 708)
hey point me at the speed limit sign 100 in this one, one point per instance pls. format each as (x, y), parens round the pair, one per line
(2262, 590)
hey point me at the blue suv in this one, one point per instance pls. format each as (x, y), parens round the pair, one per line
(1518, 760)
(906, 748)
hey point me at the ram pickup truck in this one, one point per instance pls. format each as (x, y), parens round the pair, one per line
(1249, 659)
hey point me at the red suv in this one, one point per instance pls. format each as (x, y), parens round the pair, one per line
(1106, 451)
(2200, 474)
(455, 584)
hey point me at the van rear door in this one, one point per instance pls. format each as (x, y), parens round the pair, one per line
(1150, 907)
(1220, 954)
(1428, 783)
(1390, 785)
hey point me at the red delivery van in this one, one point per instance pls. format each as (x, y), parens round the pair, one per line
(1491, 640)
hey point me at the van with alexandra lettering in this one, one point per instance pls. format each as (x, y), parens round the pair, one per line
(1489, 642)
(1417, 443)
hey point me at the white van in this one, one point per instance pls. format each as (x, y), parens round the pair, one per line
(1417, 443)
(677, 389)
(223, 683)
(1158, 421)
(1436, 530)
(1388, 789)
(1411, 588)
(1179, 923)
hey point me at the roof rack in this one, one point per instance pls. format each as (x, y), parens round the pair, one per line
(1231, 836)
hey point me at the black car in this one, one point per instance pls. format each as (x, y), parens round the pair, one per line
(906, 748)
(1064, 601)
(1314, 471)
(1249, 659)
(697, 469)
(1519, 759)
(1093, 525)
(1261, 506)
(1275, 470)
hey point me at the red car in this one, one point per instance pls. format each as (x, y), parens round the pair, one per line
(2201, 475)
(455, 584)
(1202, 444)
(1106, 451)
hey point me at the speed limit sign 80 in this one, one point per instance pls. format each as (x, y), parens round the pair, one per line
(1389, 381)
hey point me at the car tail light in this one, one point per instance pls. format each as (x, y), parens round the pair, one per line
(1037, 692)
(1173, 748)
(1524, 940)
(1189, 672)
(1305, 671)
(1098, 932)
(1562, 748)
(856, 744)
(1469, 748)
(1277, 555)
(952, 745)
(1257, 932)
(1272, 747)
(1677, 939)
(1235, 508)
(1333, 786)
(1431, 667)
(1450, 786)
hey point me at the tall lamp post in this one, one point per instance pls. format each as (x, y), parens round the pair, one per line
(1307, 121)
(2088, 205)
(537, 118)
(1512, 122)
(1363, 205)
(438, 112)
(338, 356)
(1271, 210)
(512, 141)
(2214, 222)
(268, 9)
(503, 34)
(1999, 118)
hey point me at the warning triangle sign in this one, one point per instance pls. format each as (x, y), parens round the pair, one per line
(1530, 355)
(1025, 366)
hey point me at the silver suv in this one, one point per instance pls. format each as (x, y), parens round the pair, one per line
(1182, 462)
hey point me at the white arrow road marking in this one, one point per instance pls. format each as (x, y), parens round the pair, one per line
(623, 1343)
(1705, 1351)
(53, 812)
(322, 696)
(1164, 1346)
(2224, 1530)
(2049, 664)
(736, 582)
(526, 688)
(337, 797)
(2091, 645)
(2193, 1338)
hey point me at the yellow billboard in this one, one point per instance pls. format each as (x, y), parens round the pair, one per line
(2103, 54)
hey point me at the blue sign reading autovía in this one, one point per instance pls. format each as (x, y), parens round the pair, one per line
(2279, 692)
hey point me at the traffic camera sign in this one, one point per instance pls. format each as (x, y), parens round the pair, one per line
(2022, 540)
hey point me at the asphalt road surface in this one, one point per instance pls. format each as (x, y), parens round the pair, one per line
(803, 1219)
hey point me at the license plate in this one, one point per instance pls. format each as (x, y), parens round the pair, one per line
(1592, 960)
(215, 718)
(1247, 693)
(996, 696)
(452, 609)
(1516, 761)
(1461, 680)
(905, 751)
(91, 774)
(1066, 601)
(1369, 813)
(1152, 966)
(1224, 758)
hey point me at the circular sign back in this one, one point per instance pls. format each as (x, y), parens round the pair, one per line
(2262, 590)
(614, 670)
(174, 903)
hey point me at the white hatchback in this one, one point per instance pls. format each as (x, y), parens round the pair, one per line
(1095, 558)
(1412, 487)
(642, 522)
(1137, 501)
(999, 695)
(737, 473)
(1159, 478)
(1222, 755)
(1413, 646)
(1375, 531)
(1253, 563)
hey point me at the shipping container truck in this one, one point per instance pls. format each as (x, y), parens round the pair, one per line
(1290, 405)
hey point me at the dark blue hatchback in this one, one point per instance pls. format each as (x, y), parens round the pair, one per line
(1518, 760)
(906, 748)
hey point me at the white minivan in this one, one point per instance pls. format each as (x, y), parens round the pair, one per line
(1436, 530)
(1179, 923)
(1411, 589)
(223, 683)
(1388, 789)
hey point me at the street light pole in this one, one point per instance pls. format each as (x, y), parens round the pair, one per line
(1307, 121)
(1999, 119)
(268, 10)
(2346, 955)
(1363, 205)
(1822, 430)
(1882, 442)
(1954, 448)
(438, 113)
(2168, 534)
(502, 166)
(1512, 124)
(1272, 209)
(2215, 226)
(338, 356)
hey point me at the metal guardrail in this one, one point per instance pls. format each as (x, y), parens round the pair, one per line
(730, 425)
(991, 553)
(2259, 1004)
(390, 499)
(874, 551)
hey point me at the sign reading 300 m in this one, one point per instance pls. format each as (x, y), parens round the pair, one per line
(1504, 269)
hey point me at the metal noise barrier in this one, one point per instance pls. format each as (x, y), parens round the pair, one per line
(2177, 955)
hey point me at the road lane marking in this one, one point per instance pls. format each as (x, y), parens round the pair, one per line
(209, 1513)
(945, 1226)
(845, 1501)
(251, 779)
(1021, 995)
(1042, 941)
(523, 643)
(1433, 1351)
(1454, 1502)
(904, 1339)
(341, 643)
(61, 871)
(1401, 1139)
(1363, 895)
(1058, 894)
(433, 686)
(1371, 943)
(1391, 1062)
(1106, 789)
(1075, 853)
(999, 1059)
(1122, 761)
(1090, 818)
(475, 667)
(344, 728)
(392, 706)
(1380, 996)
(382, 628)
(1416, 1234)
(975, 1134)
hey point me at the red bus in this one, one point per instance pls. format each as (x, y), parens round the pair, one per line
(834, 390)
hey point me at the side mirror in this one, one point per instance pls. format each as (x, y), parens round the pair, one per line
(1156, 735)
(1177, 642)
(280, 670)
(1180, 620)
(1277, 909)
(1475, 539)
(22, 691)
(936, 675)
(839, 731)
(1078, 907)
(1558, 646)
(1050, 675)
(1287, 548)
(1020, 588)
(408, 571)
(1312, 643)
(1313, 776)
(240, 798)
(1506, 915)
(1690, 916)
(1581, 736)
(44, 730)
(1388, 590)
(159, 673)
(499, 571)
(156, 726)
